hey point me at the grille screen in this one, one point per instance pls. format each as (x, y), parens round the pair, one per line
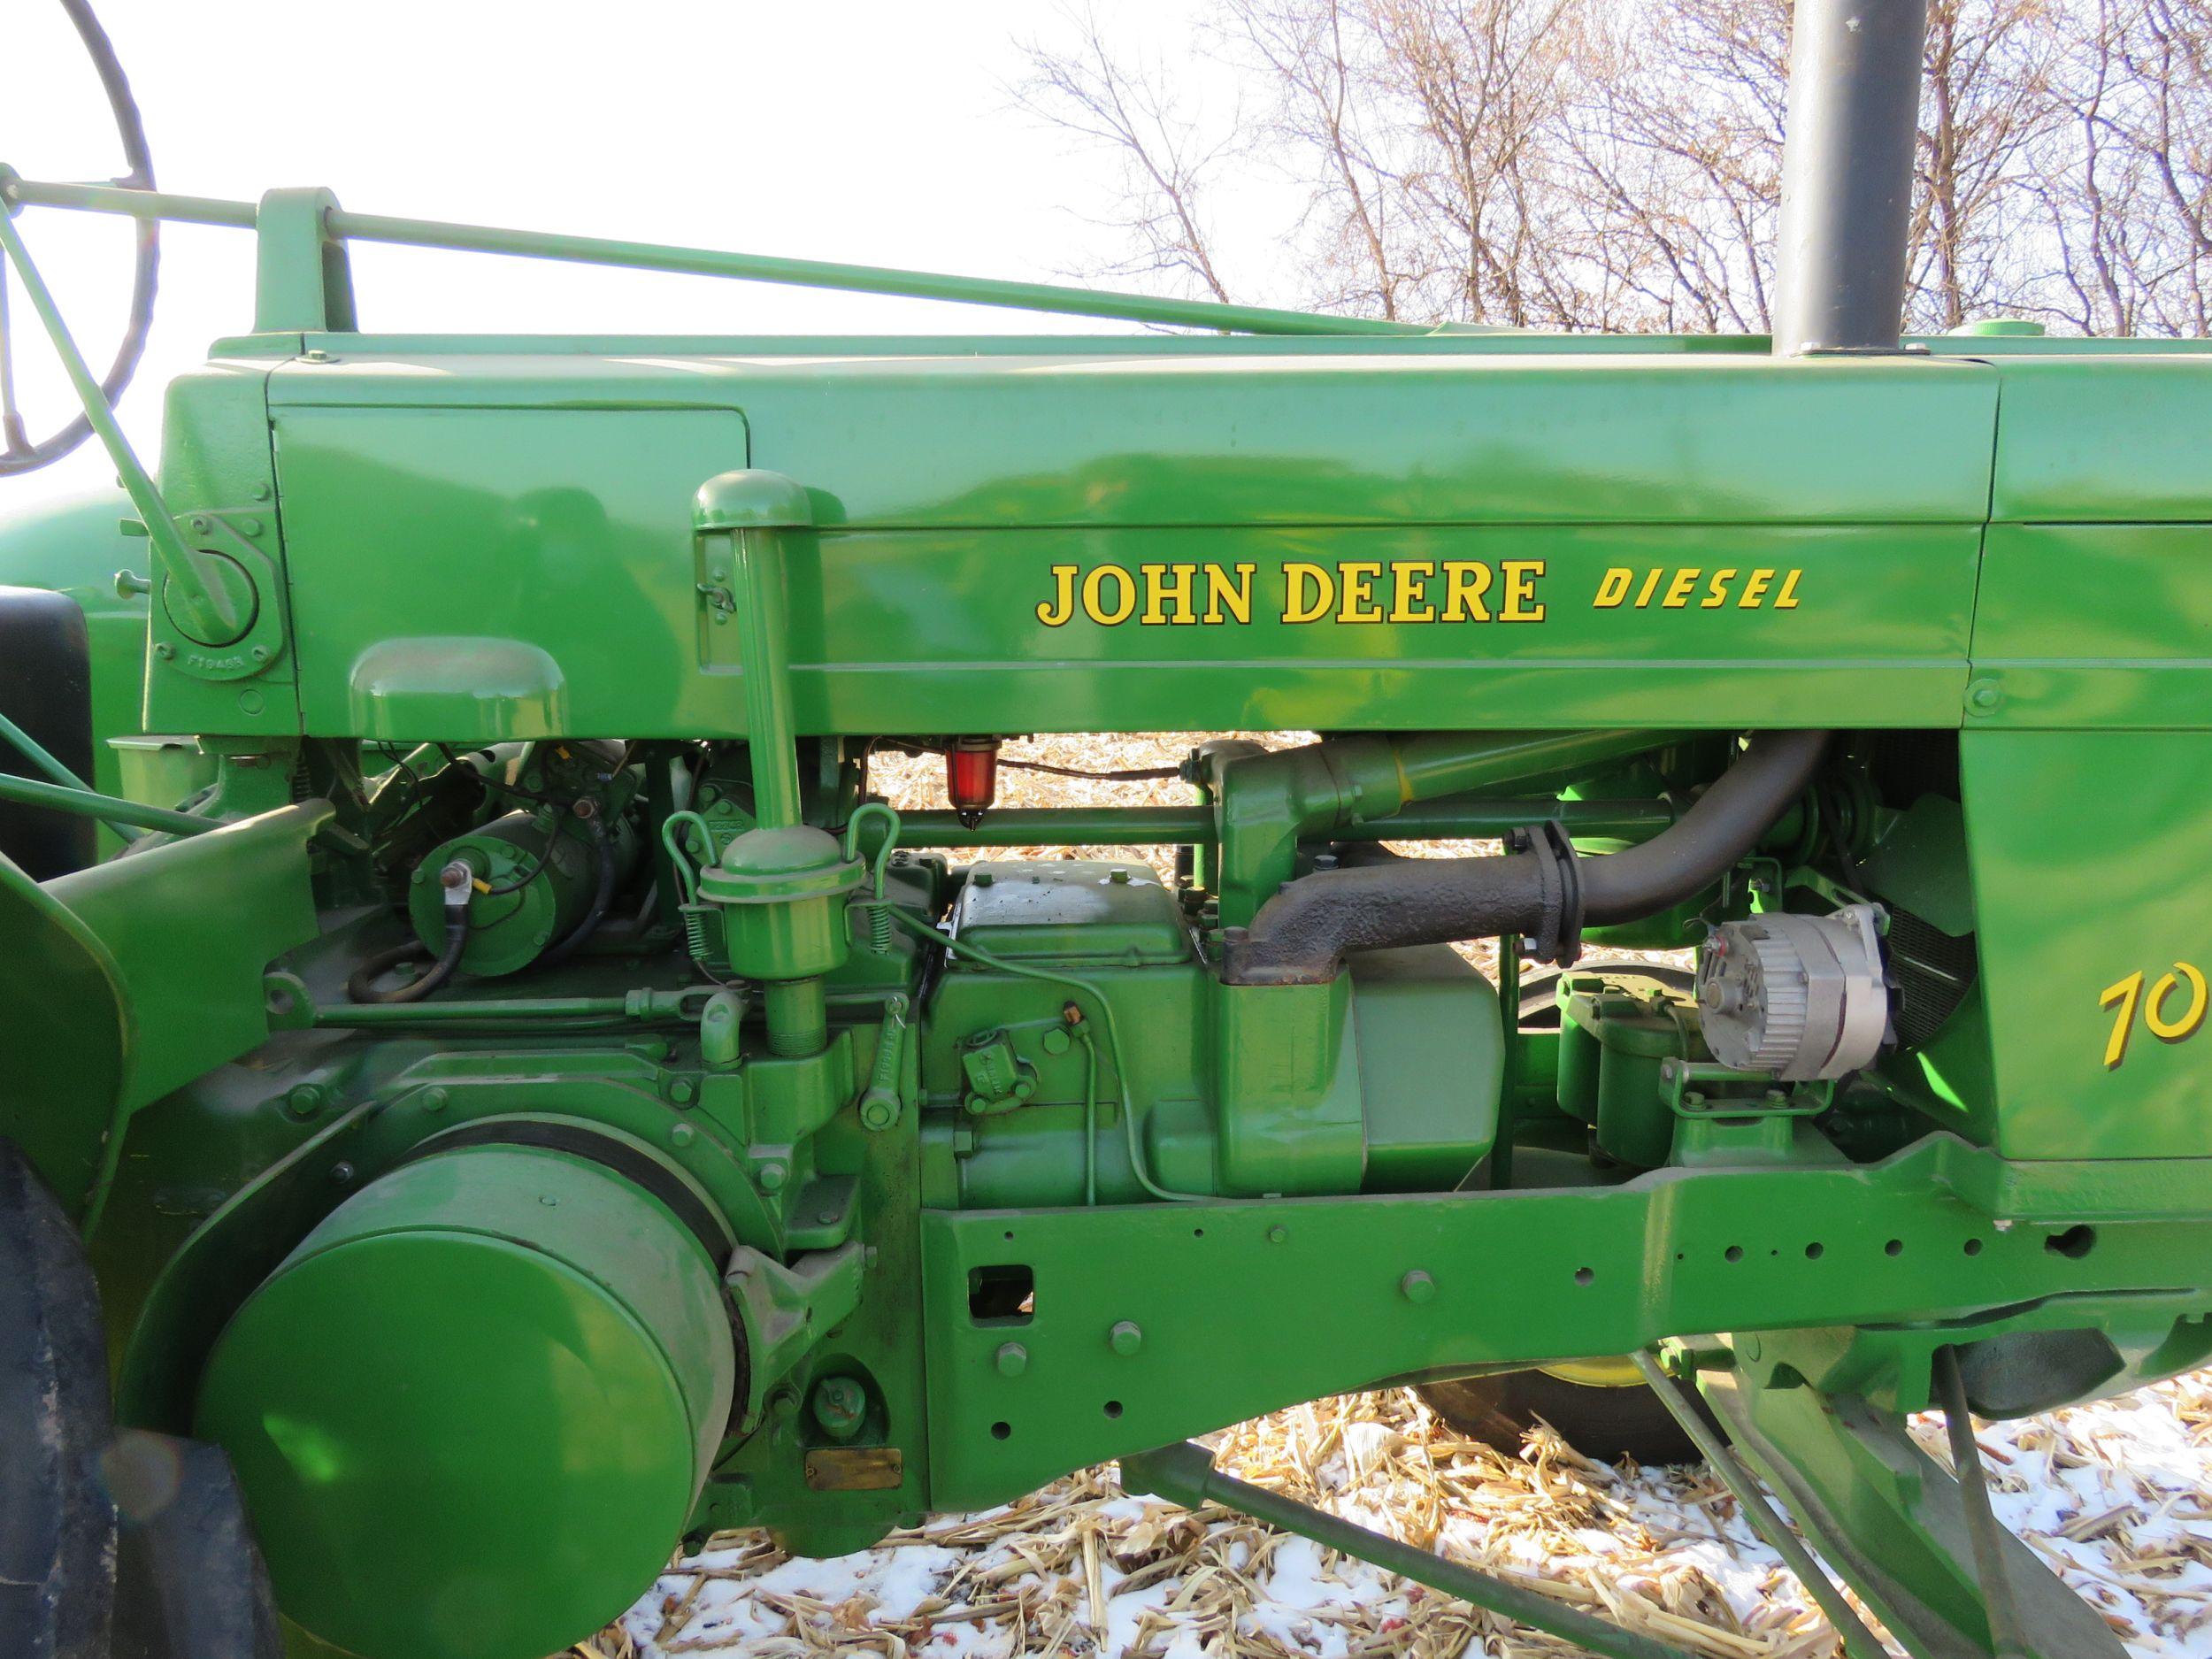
(1933, 971)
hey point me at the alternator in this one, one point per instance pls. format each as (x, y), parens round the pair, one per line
(1799, 996)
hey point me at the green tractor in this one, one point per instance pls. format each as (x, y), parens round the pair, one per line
(490, 1091)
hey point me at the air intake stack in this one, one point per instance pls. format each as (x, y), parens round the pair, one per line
(1846, 175)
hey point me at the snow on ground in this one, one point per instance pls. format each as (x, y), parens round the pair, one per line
(2117, 1496)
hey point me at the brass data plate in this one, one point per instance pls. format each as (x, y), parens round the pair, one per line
(855, 1468)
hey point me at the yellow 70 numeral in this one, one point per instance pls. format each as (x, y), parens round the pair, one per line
(2127, 996)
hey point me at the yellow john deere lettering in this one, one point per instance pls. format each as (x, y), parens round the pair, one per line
(1368, 591)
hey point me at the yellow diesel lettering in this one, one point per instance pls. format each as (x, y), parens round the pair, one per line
(1717, 590)
(1786, 600)
(1613, 587)
(1678, 589)
(1754, 589)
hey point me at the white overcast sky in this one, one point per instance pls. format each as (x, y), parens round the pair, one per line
(865, 131)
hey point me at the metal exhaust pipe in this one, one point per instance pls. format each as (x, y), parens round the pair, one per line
(1846, 175)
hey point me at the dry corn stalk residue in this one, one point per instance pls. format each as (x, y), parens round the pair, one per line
(2116, 1496)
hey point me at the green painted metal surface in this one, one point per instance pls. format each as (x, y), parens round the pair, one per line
(1656, 1252)
(965, 1174)
(1516, 608)
(515, 1345)
(2084, 1069)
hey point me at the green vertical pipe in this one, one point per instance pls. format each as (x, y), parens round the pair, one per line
(797, 1014)
(761, 623)
(756, 510)
(1510, 1063)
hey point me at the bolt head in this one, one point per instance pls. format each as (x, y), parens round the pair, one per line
(433, 1100)
(840, 1404)
(1012, 1359)
(683, 1135)
(1126, 1337)
(1417, 1286)
(773, 1177)
(680, 1091)
(164, 650)
(1276, 1235)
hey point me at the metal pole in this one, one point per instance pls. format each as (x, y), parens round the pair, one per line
(1450, 819)
(201, 604)
(85, 804)
(1983, 1530)
(1184, 1473)
(1846, 175)
(1858, 1642)
(37, 754)
(1456, 818)
(642, 256)
(115, 198)
(1062, 827)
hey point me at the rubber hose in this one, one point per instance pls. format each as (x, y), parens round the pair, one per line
(361, 984)
(602, 896)
(1303, 934)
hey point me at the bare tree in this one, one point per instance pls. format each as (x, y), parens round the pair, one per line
(1129, 107)
(1679, 146)
(1616, 164)
(1986, 104)
(2149, 192)
(1319, 58)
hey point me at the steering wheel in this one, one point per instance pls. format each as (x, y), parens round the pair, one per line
(18, 451)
